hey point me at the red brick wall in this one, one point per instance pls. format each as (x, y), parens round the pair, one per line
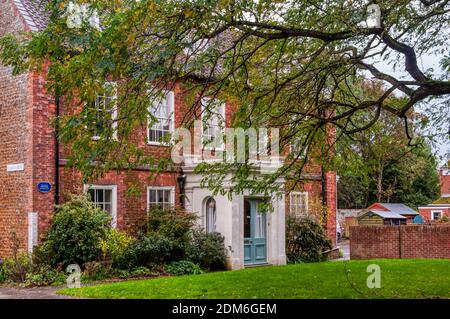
(15, 143)
(426, 212)
(368, 242)
(131, 208)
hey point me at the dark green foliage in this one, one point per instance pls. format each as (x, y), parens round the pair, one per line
(175, 223)
(44, 275)
(75, 233)
(148, 251)
(305, 240)
(183, 267)
(207, 250)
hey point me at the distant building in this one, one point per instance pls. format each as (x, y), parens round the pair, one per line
(377, 217)
(441, 207)
(387, 214)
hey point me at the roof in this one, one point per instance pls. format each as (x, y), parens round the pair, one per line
(34, 13)
(435, 206)
(384, 214)
(401, 209)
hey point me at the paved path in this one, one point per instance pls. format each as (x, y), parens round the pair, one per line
(31, 293)
(345, 246)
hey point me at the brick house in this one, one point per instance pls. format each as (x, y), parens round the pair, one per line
(34, 175)
(440, 207)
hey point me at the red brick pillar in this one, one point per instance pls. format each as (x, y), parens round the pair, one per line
(331, 197)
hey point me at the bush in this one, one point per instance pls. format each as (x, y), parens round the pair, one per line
(174, 224)
(207, 250)
(147, 251)
(95, 270)
(114, 245)
(75, 233)
(4, 274)
(305, 240)
(184, 267)
(44, 276)
(15, 269)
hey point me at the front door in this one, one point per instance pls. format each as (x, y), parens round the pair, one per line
(254, 233)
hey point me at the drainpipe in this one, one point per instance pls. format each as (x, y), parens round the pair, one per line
(181, 179)
(57, 104)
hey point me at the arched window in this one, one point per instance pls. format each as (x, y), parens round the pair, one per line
(210, 215)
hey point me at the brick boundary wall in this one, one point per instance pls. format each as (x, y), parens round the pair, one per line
(411, 241)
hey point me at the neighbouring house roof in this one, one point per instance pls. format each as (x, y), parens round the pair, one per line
(33, 12)
(435, 206)
(400, 209)
(442, 200)
(384, 214)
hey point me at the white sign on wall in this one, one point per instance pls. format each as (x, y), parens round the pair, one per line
(15, 167)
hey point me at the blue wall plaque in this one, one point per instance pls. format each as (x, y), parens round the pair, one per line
(44, 187)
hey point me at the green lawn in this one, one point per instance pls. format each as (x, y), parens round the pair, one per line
(399, 279)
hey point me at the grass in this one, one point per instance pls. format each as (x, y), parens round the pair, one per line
(346, 279)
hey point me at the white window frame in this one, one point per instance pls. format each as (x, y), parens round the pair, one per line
(436, 211)
(113, 189)
(206, 215)
(204, 102)
(305, 195)
(166, 188)
(114, 111)
(170, 98)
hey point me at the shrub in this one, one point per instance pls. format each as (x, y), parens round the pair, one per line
(4, 274)
(183, 267)
(174, 224)
(75, 233)
(44, 276)
(148, 251)
(114, 245)
(207, 250)
(94, 270)
(444, 219)
(305, 240)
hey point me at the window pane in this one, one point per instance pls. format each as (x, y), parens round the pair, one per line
(107, 207)
(152, 196)
(211, 215)
(247, 219)
(100, 198)
(91, 194)
(167, 196)
(108, 195)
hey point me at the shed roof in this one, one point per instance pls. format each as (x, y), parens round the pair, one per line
(384, 214)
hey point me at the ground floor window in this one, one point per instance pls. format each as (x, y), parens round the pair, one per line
(104, 197)
(299, 203)
(161, 197)
(210, 215)
(436, 215)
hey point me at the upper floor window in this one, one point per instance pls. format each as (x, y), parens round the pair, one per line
(299, 203)
(213, 123)
(210, 215)
(161, 197)
(104, 197)
(162, 123)
(104, 112)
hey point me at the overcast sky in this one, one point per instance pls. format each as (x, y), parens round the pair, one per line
(425, 62)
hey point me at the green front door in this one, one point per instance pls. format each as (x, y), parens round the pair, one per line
(254, 233)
